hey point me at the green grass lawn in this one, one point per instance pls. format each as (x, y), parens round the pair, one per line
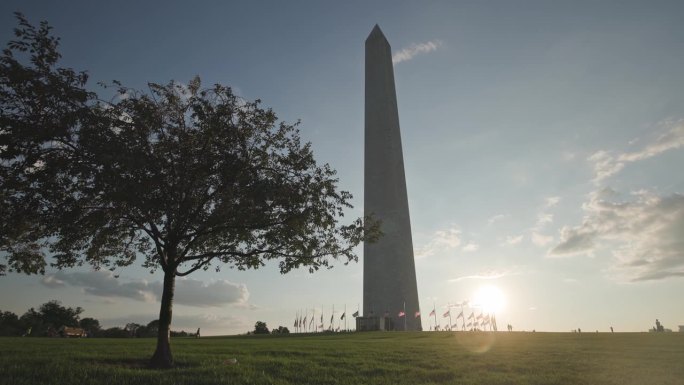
(355, 358)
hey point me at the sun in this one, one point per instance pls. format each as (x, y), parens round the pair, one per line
(490, 298)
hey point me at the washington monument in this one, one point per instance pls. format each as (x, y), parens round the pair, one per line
(389, 272)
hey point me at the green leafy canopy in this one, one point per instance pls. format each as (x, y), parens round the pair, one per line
(182, 176)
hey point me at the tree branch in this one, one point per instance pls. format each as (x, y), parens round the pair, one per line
(194, 268)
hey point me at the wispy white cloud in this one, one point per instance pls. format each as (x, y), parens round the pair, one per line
(644, 235)
(485, 275)
(544, 219)
(441, 241)
(52, 281)
(514, 239)
(495, 218)
(607, 163)
(193, 292)
(541, 239)
(411, 51)
(670, 140)
(470, 247)
(552, 201)
(190, 292)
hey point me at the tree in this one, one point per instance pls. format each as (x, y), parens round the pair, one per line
(183, 177)
(115, 332)
(55, 315)
(133, 328)
(10, 324)
(90, 325)
(152, 329)
(33, 323)
(50, 315)
(260, 328)
(281, 330)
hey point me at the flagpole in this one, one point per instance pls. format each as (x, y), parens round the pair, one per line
(449, 317)
(434, 313)
(345, 317)
(462, 317)
(405, 316)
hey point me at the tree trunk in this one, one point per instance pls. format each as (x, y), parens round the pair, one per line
(162, 357)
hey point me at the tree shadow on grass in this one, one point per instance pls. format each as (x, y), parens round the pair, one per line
(135, 363)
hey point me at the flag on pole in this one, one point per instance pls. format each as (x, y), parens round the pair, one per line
(460, 314)
(343, 314)
(321, 318)
(296, 322)
(311, 322)
(448, 313)
(432, 313)
(416, 315)
(480, 316)
(472, 315)
(304, 323)
(356, 314)
(332, 317)
(401, 314)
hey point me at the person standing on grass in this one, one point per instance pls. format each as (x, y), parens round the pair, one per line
(198, 333)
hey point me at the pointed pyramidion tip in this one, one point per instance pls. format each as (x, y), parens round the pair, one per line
(376, 34)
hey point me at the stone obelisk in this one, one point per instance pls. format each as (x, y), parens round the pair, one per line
(389, 272)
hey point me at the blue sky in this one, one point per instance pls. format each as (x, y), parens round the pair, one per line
(541, 140)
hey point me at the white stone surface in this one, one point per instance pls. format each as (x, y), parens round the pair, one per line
(389, 273)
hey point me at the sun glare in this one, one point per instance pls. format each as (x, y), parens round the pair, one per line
(490, 298)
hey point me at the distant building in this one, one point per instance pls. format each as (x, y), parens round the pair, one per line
(681, 328)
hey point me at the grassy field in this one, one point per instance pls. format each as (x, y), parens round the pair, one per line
(356, 358)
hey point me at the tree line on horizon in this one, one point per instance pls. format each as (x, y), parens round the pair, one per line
(51, 316)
